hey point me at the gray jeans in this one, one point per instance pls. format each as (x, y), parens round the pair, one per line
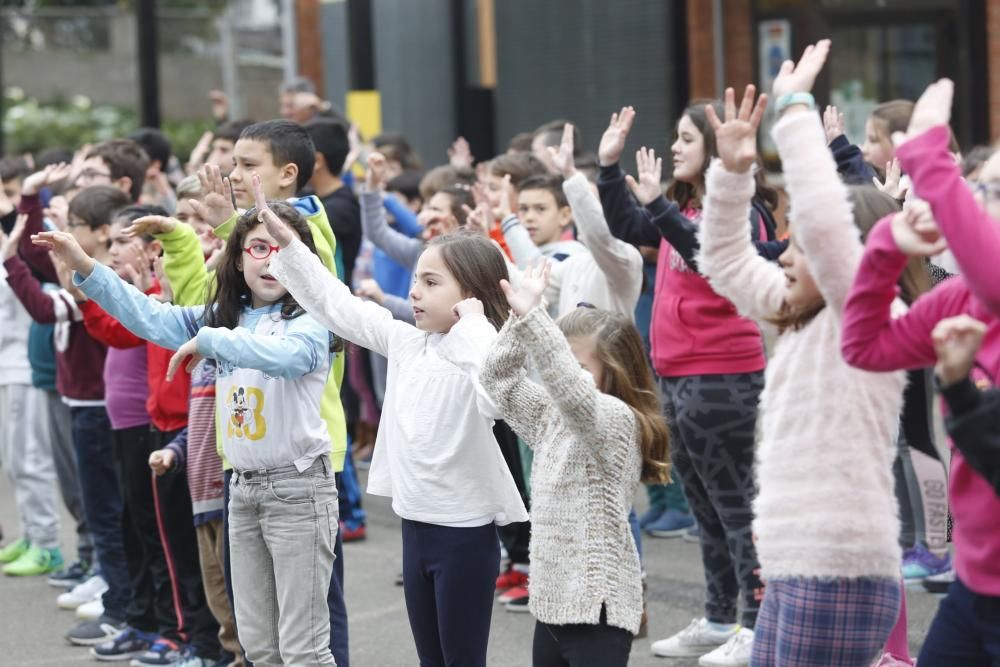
(282, 528)
(26, 453)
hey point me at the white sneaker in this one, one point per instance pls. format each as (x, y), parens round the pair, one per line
(734, 653)
(88, 591)
(91, 611)
(695, 640)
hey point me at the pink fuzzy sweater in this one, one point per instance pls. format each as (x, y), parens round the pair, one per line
(825, 505)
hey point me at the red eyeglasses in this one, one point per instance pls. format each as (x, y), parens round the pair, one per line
(261, 250)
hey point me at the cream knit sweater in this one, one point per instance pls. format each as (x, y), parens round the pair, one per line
(825, 505)
(586, 467)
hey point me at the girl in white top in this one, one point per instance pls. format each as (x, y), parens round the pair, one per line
(435, 453)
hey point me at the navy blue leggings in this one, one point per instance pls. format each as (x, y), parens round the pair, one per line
(965, 631)
(449, 577)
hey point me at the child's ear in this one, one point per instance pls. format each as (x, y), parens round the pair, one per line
(103, 234)
(155, 248)
(565, 216)
(125, 185)
(289, 176)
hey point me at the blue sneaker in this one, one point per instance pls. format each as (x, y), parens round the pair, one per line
(919, 563)
(163, 652)
(693, 534)
(652, 515)
(125, 646)
(672, 524)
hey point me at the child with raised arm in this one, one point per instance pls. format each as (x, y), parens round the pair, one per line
(873, 340)
(436, 455)
(832, 563)
(593, 416)
(273, 361)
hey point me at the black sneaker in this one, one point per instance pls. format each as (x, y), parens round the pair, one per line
(68, 577)
(128, 644)
(92, 633)
(518, 604)
(939, 583)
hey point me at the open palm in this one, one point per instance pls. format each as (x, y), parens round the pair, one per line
(528, 294)
(736, 138)
(800, 78)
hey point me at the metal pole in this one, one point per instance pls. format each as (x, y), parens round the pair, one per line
(289, 45)
(149, 75)
(718, 48)
(230, 68)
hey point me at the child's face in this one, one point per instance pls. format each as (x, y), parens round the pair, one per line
(93, 241)
(95, 171)
(688, 152)
(434, 293)
(436, 216)
(250, 155)
(186, 213)
(988, 187)
(877, 149)
(542, 216)
(12, 189)
(256, 270)
(585, 351)
(494, 188)
(221, 155)
(125, 250)
(801, 289)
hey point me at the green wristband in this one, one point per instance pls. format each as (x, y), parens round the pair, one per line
(790, 99)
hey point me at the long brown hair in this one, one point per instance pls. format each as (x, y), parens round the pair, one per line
(627, 377)
(478, 267)
(869, 205)
(686, 194)
(232, 294)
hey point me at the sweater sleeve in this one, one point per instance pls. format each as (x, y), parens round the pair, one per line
(522, 248)
(399, 247)
(598, 420)
(406, 220)
(973, 423)
(44, 307)
(301, 350)
(466, 346)
(727, 258)
(330, 301)
(179, 446)
(676, 229)
(626, 219)
(821, 214)
(164, 324)
(871, 339)
(400, 308)
(106, 329)
(523, 403)
(37, 257)
(851, 163)
(184, 264)
(620, 262)
(973, 236)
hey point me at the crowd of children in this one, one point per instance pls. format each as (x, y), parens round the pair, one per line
(202, 354)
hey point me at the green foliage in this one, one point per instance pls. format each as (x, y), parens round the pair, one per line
(30, 126)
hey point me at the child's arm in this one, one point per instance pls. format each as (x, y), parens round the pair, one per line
(973, 236)
(179, 446)
(522, 403)
(44, 307)
(330, 301)
(522, 248)
(400, 308)
(466, 346)
(31, 204)
(399, 247)
(303, 348)
(184, 265)
(105, 329)
(406, 220)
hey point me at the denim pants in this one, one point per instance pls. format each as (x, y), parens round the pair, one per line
(282, 530)
(102, 503)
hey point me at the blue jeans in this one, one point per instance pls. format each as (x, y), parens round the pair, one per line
(339, 638)
(102, 503)
(965, 631)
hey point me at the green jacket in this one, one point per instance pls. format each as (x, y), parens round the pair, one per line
(192, 283)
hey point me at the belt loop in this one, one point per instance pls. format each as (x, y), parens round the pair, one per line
(323, 460)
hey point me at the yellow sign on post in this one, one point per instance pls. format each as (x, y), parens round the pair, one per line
(364, 109)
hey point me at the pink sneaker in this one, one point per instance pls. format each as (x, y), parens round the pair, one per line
(889, 660)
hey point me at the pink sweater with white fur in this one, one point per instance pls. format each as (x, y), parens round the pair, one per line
(825, 505)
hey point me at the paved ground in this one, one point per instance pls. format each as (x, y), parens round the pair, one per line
(32, 627)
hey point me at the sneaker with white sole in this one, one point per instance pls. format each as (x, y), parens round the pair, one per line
(695, 640)
(92, 633)
(90, 590)
(91, 611)
(734, 653)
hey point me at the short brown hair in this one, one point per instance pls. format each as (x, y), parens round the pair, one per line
(894, 116)
(519, 166)
(445, 176)
(520, 143)
(550, 183)
(124, 157)
(97, 205)
(478, 267)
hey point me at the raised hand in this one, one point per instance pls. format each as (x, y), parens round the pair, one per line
(956, 342)
(892, 185)
(800, 78)
(161, 461)
(138, 274)
(377, 174)
(460, 153)
(58, 212)
(467, 307)
(9, 243)
(185, 351)
(356, 148)
(562, 157)
(276, 227)
(933, 108)
(915, 231)
(216, 205)
(220, 105)
(613, 140)
(200, 152)
(53, 173)
(151, 225)
(370, 289)
(833, 123)
(650, 169)
(166, 294)
(64, 275)
(736, 139)
(529, 294)
(63, 246)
